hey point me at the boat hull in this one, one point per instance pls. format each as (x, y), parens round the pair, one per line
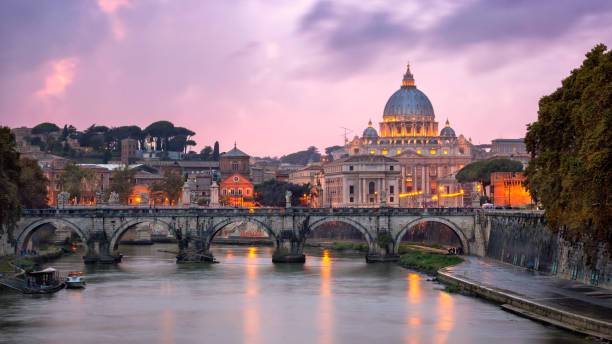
(45, 290)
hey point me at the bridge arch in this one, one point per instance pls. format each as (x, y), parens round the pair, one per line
(217, 227)
(25, 234)
(117, 233)
(453, 226)
(366, 234)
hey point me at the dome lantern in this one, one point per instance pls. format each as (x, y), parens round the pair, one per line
(408, 78)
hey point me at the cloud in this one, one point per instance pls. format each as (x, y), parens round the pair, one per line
(351, 36)
(60, 77)
(110, 8)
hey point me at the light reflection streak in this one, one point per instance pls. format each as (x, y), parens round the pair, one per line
(250, 323)
(445, 317)
(167, 325)
(414, 298)
(325, 306)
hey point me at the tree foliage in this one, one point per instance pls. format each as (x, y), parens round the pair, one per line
(170, 187)
(272, 193)
(571, 149)
(123, 182)
(45, 128)
(10, 208)
(302, 157)
(33, 185)
(80, 183)
(215, 156)
(480, 171)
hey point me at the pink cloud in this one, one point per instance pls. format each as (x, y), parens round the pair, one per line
(110, 6)
(60, 77)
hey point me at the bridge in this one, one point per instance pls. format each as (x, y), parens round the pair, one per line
(101, 228)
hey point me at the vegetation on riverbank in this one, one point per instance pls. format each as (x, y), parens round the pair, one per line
(427, 261)
(344, 246)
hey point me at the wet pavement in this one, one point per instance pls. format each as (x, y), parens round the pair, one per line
(565, 295)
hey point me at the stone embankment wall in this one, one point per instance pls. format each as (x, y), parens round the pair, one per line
(524, 240)
(5, 248)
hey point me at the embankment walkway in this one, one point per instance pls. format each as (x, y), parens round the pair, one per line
(569, 304)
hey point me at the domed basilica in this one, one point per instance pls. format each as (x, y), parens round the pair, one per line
(409, 134)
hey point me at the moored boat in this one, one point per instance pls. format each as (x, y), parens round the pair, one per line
(75, 280)
(46, 281)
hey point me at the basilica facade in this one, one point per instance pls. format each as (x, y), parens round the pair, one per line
(428, 157)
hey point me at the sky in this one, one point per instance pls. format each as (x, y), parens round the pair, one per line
(279, 76)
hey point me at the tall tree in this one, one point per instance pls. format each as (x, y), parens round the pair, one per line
(161, 131)
(480, 171)
(302, 157)
(33, 191)
(81, 183)
(571, 149)
(123, 182)
(207, 153)
(215, 156)
(10, 208)
(45, 129)
(170, 187)
(272, 193)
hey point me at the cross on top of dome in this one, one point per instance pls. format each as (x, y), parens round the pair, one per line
(408, 77)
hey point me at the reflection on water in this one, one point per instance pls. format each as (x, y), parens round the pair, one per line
(333, 298)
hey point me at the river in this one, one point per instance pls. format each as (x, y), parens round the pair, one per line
(333, 298)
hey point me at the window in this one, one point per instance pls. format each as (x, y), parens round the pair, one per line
(356, 150)
(351, 189)
(391, 189)
(371, 200)
(248, 192)
(234, 165)
(239, 192)
(351, 200)
(224, 192)
(371, 188)
(350, 168)
(390, 199)
(391, 168)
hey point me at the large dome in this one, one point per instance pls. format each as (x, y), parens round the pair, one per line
(408, 100)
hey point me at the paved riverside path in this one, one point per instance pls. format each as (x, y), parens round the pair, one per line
(565, 295)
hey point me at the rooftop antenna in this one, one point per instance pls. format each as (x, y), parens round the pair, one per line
(346, 131)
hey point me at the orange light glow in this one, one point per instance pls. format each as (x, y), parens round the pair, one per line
(434, 197)
(441, 188)
(453, 194)
(252, 251)
(409, 194)
(137, 199)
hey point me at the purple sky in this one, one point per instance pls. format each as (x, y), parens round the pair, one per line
(278, 76)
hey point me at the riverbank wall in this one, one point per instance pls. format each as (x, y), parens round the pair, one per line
(523, 239)
(5, 248)
(530, 308)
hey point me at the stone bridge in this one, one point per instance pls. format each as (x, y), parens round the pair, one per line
(102, 227)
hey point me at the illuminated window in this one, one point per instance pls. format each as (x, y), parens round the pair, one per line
(418, 151)
(384, 152)
(399, 151)
(432, 152)
(445, 152)
(371, 152)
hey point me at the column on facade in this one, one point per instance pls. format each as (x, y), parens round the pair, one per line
(423, 179)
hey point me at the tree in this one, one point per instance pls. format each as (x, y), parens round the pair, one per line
(480, 171)
(33, 185)
(45, 129)
(302, 157)
(10, 207)
(207, 153)
(170, 187)
(123, 182)
(161, 131)
(80, 183)
(215, 156)
(571, 149)
(272, 193)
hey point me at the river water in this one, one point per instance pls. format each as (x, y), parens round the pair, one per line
(333, 298)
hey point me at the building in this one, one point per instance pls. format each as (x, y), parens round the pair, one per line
(129, 149)
(234, 161)
(361, 181)
(508, 189)
(409, 134)
(508, 146)
(236, 191)
(307, 175)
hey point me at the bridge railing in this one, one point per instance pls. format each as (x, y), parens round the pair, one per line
(102, 211)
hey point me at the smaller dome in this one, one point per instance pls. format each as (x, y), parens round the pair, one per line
(447, 130)
(370, 131)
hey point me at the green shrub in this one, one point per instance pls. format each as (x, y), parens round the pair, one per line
(427, 261)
